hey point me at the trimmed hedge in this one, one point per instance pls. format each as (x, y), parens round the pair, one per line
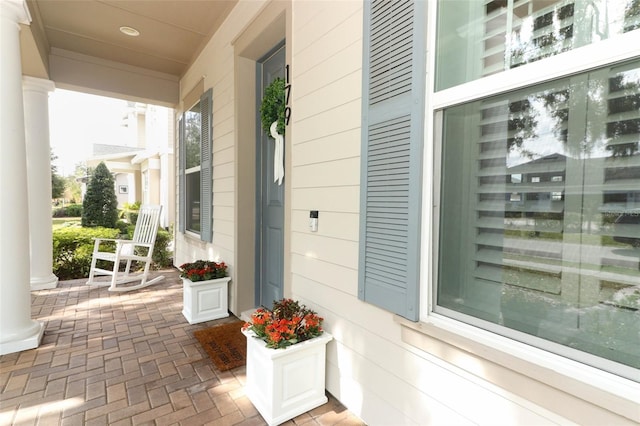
(71, 210)
(130, 212)
(161, 255)
(72, 249)
(73, 246)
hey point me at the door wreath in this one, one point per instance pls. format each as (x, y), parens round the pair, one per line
(273, 122)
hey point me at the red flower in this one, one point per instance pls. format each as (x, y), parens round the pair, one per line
(202, 270)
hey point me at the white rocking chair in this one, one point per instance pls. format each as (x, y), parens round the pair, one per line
(144, 238)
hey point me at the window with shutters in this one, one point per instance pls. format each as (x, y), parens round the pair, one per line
(195, 169)
(539, 193)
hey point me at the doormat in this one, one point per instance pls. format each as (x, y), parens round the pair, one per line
(225, 344)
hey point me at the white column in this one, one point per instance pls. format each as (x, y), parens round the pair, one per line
(18, 331)
(36, 120)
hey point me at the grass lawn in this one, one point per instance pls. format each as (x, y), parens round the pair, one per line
(61, 222)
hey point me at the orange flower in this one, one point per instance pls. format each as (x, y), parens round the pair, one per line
(286, 324)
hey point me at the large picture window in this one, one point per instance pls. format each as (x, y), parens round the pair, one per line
(539, 224)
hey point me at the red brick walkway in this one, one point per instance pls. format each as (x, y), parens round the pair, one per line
(127, 359)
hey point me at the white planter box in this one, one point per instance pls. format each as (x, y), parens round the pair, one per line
(205, 300)
(284, 383)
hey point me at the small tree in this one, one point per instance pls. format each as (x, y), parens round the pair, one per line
(57, 181)
(100, 205)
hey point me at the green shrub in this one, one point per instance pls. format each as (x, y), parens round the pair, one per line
(123, 227)
(100, 205)
(132, 206)
(130, 212)
(72, 249)
(132, 217)
(71, 210)
(161, 254)
(74, 210)
(59, 212)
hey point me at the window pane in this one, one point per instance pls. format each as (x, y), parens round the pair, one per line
(192, 136)
(540, 222)
(192, 183)
(477, 38)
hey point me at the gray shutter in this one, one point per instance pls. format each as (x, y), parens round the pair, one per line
(182, 161)
(392, 135)
(206, 176)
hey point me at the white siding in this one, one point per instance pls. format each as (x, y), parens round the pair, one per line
(370, 368)
(215, 63)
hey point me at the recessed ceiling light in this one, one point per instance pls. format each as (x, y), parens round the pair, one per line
(130, 31)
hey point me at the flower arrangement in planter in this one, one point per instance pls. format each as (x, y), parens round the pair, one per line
(204, 290)
(286, 324)
(286, 351)
(203, 270)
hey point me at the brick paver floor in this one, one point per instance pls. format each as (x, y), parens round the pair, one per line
(127, 359)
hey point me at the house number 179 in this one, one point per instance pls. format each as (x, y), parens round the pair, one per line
(287, 89)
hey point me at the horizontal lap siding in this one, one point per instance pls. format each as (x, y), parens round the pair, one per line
(325, 125)
(369, 368)
(215, 63)
(326, 146)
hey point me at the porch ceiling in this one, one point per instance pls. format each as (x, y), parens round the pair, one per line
(172, 34)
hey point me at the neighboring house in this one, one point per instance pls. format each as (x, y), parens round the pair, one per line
(118, 160)
(144, 170)
(468, 275)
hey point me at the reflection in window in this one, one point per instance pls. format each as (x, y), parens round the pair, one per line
(518, 32)
(555, 252)
(192, 183)
(192, 128)
(192, 141)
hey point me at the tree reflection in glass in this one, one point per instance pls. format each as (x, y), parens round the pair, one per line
(541, 201)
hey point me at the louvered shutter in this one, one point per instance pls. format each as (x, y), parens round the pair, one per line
(392, 135)
(182, 161)
(206, 177)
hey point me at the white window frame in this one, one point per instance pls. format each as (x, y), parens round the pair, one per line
(591, 384)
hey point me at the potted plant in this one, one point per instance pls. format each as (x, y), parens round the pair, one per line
(205, 290)
(286, 349)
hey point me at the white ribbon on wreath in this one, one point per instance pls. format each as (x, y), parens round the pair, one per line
(278, 154)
